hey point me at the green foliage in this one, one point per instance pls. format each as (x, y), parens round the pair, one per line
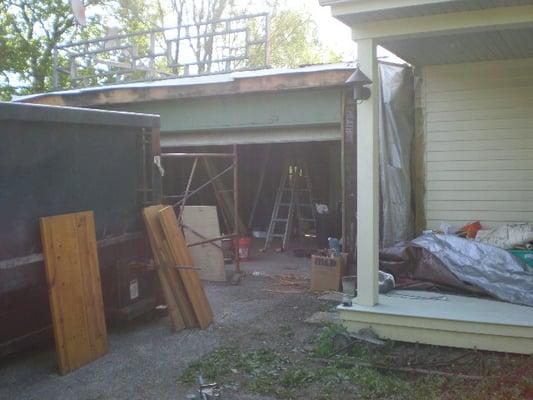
(214, 366)
(29, 30)
(299, 375)
(294, 40)
(324, 346)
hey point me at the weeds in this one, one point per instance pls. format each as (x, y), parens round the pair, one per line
(299, 375)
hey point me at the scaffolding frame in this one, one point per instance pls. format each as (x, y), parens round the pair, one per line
(234, 166)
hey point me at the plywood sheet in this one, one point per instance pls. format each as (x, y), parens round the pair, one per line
(200, 223)
(173, 290)
(182, 257)
(73, 276)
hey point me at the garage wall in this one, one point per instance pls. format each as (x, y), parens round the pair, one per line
(277, 117)
(478, 124)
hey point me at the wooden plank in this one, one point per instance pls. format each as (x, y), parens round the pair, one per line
(176, 318)
(163, 259)
(200, 223)
(73, 276)
(182, 257)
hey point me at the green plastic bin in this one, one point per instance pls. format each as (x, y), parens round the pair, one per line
(526, 255)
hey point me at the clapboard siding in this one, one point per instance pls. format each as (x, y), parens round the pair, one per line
(488, 195)
(480, 186)
(465, 155)
(483, 165)
(478, 122)
(488, 134)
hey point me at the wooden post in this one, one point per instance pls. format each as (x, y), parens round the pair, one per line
(368, 180)
(236, 219)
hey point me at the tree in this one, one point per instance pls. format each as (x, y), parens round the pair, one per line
(294, 40)
(30, 29)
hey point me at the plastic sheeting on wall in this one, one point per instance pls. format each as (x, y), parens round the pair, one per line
(396, 133)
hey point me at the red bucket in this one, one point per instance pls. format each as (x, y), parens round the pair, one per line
(243, 245)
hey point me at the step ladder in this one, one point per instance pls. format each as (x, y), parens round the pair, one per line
(294, 199)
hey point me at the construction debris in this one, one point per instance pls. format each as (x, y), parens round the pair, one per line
(323, 318)
(331, 296)
(206, 391)
(288, 284)
(327, 272)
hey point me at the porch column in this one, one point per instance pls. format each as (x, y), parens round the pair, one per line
(368, 180)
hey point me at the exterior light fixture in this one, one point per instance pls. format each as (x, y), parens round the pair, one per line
(359, 81)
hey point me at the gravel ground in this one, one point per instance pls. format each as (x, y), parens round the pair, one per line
(145, 359)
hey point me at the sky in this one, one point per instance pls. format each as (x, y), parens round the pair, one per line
(334, 34)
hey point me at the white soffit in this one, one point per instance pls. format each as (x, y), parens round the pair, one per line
(414, 8)
(466, 47)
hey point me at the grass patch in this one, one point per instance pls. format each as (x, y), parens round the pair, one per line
(322, 374)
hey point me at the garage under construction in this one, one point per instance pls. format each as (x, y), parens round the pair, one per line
(287, 129)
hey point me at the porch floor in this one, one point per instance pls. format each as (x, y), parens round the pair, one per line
(446, 320)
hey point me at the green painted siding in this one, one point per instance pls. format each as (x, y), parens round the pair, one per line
(304, 107)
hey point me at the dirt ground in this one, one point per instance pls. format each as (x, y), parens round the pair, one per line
(146, 359)
(260, 348)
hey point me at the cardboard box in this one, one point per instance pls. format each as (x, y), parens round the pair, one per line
(327, 272)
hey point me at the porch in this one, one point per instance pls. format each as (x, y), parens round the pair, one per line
(474, 154)
(445, 320)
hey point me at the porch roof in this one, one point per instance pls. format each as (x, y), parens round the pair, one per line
(427, 32)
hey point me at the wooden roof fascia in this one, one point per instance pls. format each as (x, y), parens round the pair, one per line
(268, 83)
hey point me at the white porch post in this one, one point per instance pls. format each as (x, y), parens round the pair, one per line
(368, 180)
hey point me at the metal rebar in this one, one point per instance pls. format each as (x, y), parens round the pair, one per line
(212, 240)
(200, 236)
(195, 155)
(203, 186)
(191, 176)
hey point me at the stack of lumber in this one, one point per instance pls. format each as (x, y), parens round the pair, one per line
(187, 303)
(73, 276)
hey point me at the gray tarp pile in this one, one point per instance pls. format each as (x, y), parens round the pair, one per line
(463, 265)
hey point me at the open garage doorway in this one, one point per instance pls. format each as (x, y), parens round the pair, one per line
(311, 169)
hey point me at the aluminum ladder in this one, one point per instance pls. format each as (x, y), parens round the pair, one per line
(293, 199)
